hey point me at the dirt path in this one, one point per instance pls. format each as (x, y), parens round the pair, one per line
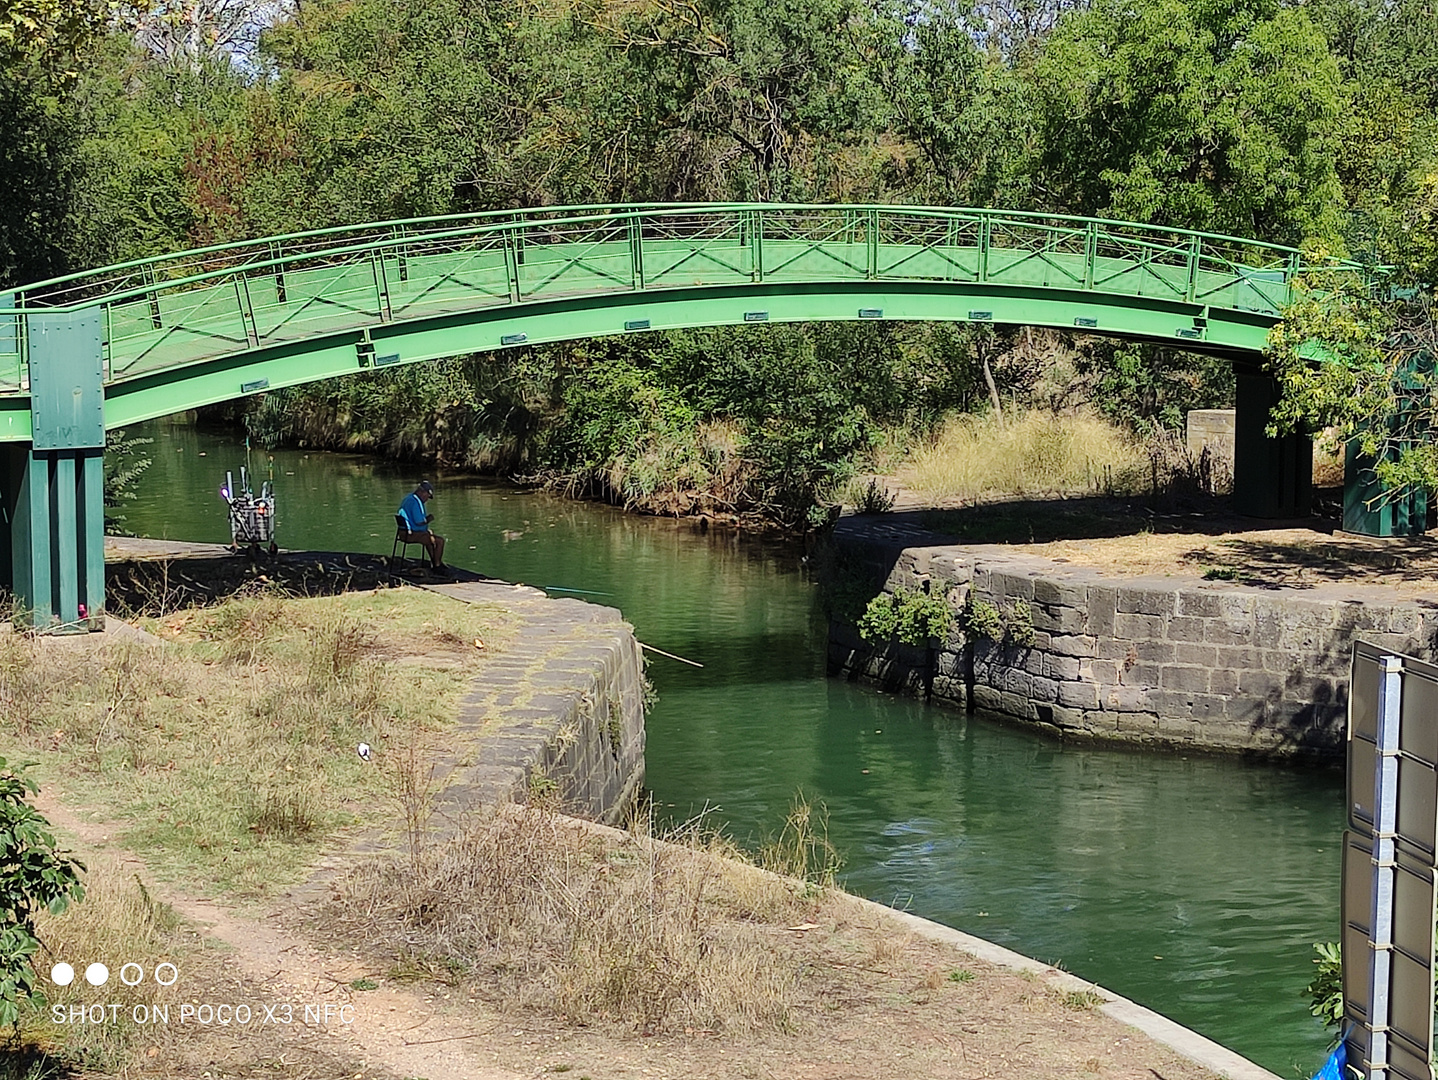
(906, 1015)
(404, 1032)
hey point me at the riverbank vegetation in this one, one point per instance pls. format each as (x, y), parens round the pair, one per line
(655, 934)
(1035, 453)
(130, 132)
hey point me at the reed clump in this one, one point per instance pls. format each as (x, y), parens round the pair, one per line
(534, 910)
(1036, 453)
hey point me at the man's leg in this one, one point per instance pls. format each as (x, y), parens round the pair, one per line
(438, 550)
(426, 541)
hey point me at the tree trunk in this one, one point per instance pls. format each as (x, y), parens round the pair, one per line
(993, 393)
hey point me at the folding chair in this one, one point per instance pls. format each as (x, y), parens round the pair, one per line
(403, 538)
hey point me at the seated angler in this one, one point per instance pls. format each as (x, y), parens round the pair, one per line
(412, 509)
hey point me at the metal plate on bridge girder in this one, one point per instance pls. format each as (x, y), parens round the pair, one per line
(67, 390)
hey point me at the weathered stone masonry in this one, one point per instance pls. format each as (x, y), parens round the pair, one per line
(562, 705)
(1176, 662)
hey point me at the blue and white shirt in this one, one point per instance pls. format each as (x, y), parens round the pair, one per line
(412, 509)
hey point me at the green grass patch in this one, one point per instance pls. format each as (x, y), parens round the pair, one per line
(229, 751)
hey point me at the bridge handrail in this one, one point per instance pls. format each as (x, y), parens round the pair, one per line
(280, 238)
(499, 221)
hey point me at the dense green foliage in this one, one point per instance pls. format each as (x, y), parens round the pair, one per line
(34, 877)
(135, 128)
(910, 616)
(1325, 990)
(124, 465)
(1371, 373)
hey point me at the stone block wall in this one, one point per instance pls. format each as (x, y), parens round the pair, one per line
(596, 758)
(1212, 428)
(1174, 662)
(561, 705)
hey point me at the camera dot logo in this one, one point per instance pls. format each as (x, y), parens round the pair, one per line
(131, 974)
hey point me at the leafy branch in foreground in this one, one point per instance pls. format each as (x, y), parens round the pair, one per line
(123, 467)
(1360, 359)
(1326, 988)
(33, 876)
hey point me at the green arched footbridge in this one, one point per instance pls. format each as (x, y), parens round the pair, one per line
(109, 347)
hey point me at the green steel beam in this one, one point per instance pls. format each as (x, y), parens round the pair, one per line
(163, 393)
(110, 347)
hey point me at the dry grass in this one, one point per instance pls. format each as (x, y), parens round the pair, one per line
(118, 922)
(230, 749)
(538, 912)
(563, 941)
(1038, 453)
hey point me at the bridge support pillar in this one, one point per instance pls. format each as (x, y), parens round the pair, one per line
(1370, 511)
(53, 503)
(1272, 478)
(52, 488)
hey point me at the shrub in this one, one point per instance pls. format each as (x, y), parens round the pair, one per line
(906, 615)
(872, 498)
(980, 618)
(33, 877)
(1326, 989)
(1020, 624)
(984, 619)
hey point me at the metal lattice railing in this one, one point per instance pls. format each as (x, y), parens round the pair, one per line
(181, 309)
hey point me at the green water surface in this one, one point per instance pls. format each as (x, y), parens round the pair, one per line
(1195, 886)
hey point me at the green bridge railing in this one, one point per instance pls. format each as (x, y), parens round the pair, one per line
(175, 310)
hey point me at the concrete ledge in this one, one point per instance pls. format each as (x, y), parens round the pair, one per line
(1159, 1028)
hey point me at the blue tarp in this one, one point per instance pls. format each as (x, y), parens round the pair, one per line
(1335, 1068)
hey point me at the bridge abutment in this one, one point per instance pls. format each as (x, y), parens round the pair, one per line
(52, 487)
(1272, 478)
(53, 503)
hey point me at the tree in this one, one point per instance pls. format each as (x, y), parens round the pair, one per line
(1192, 113)
(192, 32)
(770, 91)
(1384, 40)
(961, 104)
(34, 877)
(1357, 351)
(49, 33)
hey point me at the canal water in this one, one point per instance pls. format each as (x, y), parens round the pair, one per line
(1195, 886)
